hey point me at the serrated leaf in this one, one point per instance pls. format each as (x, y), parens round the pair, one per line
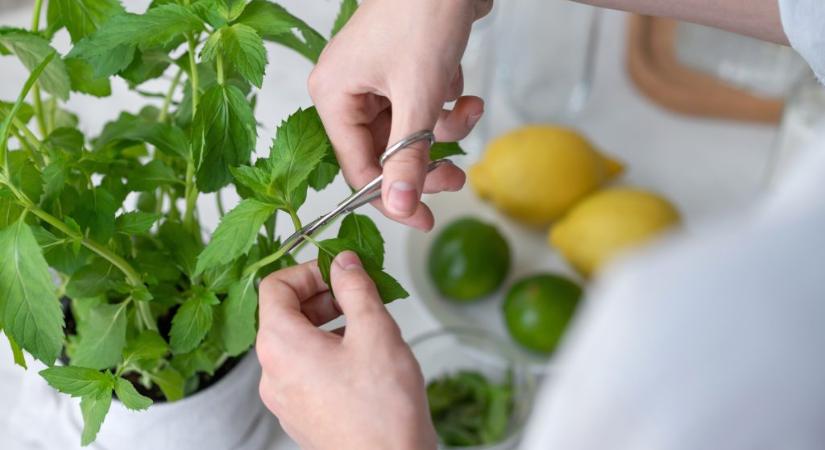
(25, 175)
(17, 353)
(82, 79)
(54, 178)
(102, 337)
(83, 17)
(276, 24)
(223, 135)
(31, 49)
(181, 244)
(170, 383)
(152, 176)
(29, 308)
(148, 345)
(362, 231)
(241, 48)
(78, 381)
(112, 47)
(9, 209)
(96, 213)
(388, 287)
(146, 65)
(254, 180)
(130, 397)
(325, 173)
(235, 234)
(94, 279)
(136, 222)
(94, 410)
(441, 150)
(192, 321)
(346, 11)
(236, 317)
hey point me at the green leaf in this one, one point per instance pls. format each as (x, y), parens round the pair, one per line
(241, 48)
(83, 17)
(276, 24)
(181, 244)
(54, 178)
(148, 345)
(170, 383)
(235, 234)
(348, 8)
(102, 337)
(94, 279)
(25, 113)
(441, 150)
(223, 135)
(78, 381)
(236, 317)
(130, 397)
(5, 127)
(83, 80)
(17, 353)
(136, 222)
(362, 231)
(146, 65)
(152, 176)
(96, 213)
(112, 47)
(25, 175)
(9, 210)
(31, 49)
(192, 321)
(29, 307)
(254, 179)
(388, 287)
(325, 173)
(94, 410)
(299, 146)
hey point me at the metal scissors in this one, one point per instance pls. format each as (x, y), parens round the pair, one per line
(366, 194)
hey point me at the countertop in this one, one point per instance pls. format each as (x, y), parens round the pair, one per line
(706, 166)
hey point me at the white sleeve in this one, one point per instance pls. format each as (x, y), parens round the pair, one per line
(712, 341)
(804, 24)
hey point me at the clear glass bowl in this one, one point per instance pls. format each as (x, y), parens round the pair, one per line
(449, 351)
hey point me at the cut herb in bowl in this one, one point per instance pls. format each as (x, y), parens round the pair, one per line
(469, 410)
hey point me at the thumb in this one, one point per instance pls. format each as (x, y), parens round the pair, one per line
(357, 295)
(405, 171)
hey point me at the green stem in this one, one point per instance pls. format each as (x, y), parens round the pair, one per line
(296, 221)
(167, 100)
(254, 268)
(220, 68)
(144, 312)
(28, 138)
(38, 102)
(191, 194)
(38, 6)
(219, 202)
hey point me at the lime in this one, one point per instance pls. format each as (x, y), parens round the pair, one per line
(538, 308)
(469, 259)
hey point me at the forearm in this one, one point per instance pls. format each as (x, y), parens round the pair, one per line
(757, 18)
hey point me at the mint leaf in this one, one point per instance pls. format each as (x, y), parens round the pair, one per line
(241, 48)
(325, 173)
(112, 47)
(146, 65)
(170, 383)
(78, 381)
(348, 8)
(276, 24)
(5, 126)
(148, 345)
(130, 397)
(152, 176)
(136, 222)
(388, 287)
(83, 17)
(17, 353)
(441, 150)
(181, 244)
(102, 337)
(82, 79)
(192, 321)
(96, 213)
(362, 231)
(255, 180)
(9, 211)
(94, 279)
(29, 307)
(25, 113)
(31, 49)
(236, 318)
(25, 175)
(54, 179)
(94, 409)
(235, 234)
(223, 135)
(299, 146)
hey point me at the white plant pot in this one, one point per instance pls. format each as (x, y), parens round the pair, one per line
(227, 415)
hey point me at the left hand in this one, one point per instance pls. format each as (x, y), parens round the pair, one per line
(360, 390)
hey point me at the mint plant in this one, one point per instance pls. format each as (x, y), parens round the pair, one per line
(103, 261)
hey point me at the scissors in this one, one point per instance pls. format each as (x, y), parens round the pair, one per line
(366, 194)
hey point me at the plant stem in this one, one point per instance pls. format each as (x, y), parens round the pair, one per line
(29, 138)
(191, 194)
(296, 221)
(254, 268)
(38, 6)
(38, 102)
(219, 202)
(220, 68)
(167, 100)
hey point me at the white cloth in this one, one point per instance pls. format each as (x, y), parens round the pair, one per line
(804, 23)
(714, 340)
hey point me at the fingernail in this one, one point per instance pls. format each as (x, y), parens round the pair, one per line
(403, 197)
(347, 260)
(473, 119)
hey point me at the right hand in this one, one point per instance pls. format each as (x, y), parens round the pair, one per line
(387, 74)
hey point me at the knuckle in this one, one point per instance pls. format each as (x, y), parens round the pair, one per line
(316, 81)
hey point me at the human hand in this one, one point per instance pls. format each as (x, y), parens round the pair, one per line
(360, 389)
(387, 74)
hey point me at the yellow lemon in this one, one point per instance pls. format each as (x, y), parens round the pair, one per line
(610, 221)
(535, 173)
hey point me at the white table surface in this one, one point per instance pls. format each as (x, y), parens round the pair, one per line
(707, 167)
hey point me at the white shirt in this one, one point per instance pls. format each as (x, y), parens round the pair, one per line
(713, 340)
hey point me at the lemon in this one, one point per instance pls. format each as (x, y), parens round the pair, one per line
(536, 173)
(610, 221)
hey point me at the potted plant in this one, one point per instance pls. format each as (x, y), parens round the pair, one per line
(146, 309)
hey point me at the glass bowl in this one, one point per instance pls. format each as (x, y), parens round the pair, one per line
(451, 350)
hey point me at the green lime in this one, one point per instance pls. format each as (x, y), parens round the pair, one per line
(538, 308)
(469, 259)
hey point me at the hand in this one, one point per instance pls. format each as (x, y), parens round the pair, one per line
(387, 74)
(360, 389)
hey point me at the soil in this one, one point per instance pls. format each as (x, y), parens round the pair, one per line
(164, 325)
